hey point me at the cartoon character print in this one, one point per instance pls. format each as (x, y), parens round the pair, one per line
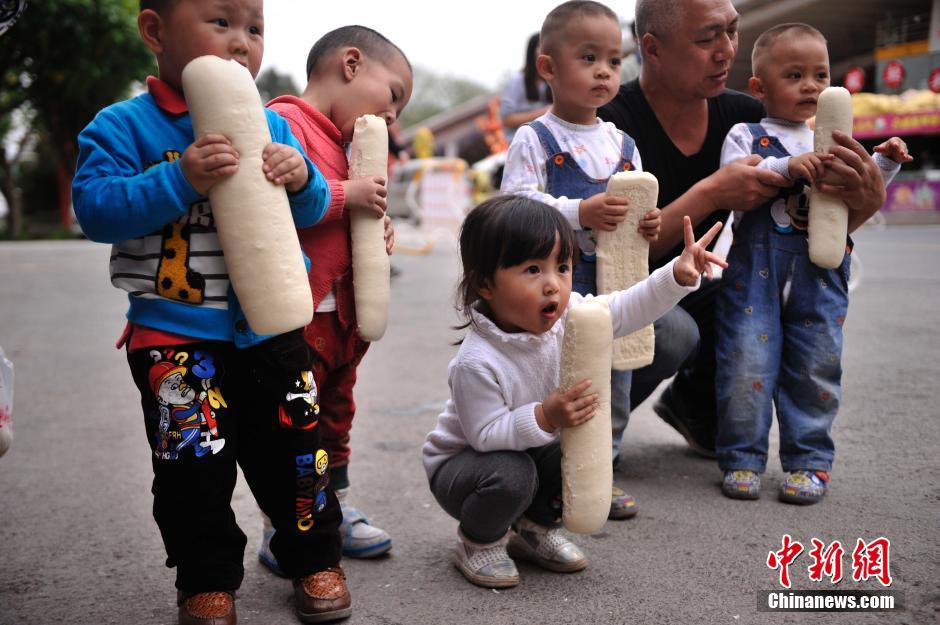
(187, 413)
(299, 409)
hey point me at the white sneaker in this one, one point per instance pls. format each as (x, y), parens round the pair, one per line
(360, 538)
(545, 546)
(487, 565)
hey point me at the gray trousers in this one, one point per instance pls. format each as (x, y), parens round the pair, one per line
(487, 492)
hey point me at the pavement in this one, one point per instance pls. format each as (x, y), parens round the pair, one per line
(78, 543)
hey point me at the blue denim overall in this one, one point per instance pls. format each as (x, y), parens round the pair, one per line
(779, 323)
(564, 177)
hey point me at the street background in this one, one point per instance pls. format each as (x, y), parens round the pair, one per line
(78, 543)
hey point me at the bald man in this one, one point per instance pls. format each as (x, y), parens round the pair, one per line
(679, 112)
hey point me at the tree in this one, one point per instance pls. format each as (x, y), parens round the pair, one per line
(433, 93)
(272, 84)
(66, 60)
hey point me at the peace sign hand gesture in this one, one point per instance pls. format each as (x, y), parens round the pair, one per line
(695, 259)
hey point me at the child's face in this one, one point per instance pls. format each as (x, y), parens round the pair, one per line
(374, 87)
(530, 296)
(584, 70)
(794, 74)
(230, 29)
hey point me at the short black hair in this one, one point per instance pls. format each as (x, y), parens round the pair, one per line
(556, 21)
(160, 6)
(371, 42)
(766, 40)
(502, 232)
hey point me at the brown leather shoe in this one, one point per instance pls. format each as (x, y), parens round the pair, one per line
(207, 608)
(322, 596)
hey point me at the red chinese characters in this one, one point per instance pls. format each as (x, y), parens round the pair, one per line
(872, 560)
(826, 562)
(869, 560)
(784, 558)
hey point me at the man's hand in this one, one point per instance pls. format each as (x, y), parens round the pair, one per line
(366, 193)
(862, 187)
(740, 185)
(207, 160)
(695, 258)
(602, 211)
(566, 408)
(650, 224)
(809, 166)
(283, 165)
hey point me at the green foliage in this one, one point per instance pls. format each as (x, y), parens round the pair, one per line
(68, 59)
(434, 93)
(272, 84)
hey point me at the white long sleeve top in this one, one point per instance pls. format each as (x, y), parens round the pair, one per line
(497, 378)
(797, 138)
(596, 148)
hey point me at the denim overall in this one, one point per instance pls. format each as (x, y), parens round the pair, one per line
(779, 323)
(564, 177)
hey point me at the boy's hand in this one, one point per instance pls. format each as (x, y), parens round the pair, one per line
(283, 165)
(695, 258)
(895, 149)
(650, 223)
(389, 235)
(207, 160)
(566, 408)
(809, 166)
(366, 193)
(602, 211)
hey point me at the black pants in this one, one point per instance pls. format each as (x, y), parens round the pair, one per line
(695, 382)
(207, 407)
(488, 491)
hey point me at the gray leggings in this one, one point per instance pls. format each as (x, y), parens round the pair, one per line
(488, 491)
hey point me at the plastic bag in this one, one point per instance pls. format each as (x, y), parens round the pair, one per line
(6, 403)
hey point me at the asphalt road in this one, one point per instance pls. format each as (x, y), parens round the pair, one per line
(78, 543)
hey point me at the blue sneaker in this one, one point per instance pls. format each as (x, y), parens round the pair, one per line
(741, 484)
(804, 487)
(361, 539)
(265, 556)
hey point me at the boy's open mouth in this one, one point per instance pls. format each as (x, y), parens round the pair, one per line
(550, 309)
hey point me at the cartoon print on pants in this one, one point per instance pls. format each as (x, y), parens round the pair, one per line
(187, 417)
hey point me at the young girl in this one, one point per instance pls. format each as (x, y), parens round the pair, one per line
(493, 461)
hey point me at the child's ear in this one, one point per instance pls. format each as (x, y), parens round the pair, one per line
(150, 27)
(485, 291)
(545, 67)
(352, 63)
(756, 87)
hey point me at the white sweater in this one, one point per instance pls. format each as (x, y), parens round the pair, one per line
(497, 378)
(596, 148)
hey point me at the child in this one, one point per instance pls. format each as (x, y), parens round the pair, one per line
(352, 71)
(779, 315)
(493, 461)
(565, 157)
(214, 395)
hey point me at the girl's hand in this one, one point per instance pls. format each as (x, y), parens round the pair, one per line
(566, 408)
(389, 235)
(650, 223)
(695, 259)
(283, 165)
(602, 211)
